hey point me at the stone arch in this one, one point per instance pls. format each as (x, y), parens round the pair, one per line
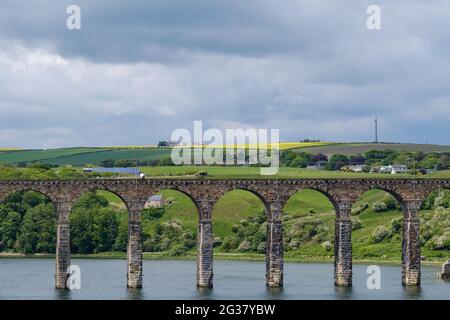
(49, 195)
(331, 198)
(256, 193)
(386, 190)
(185, 192)
(392, 191)
(56, 215)
(99, 188)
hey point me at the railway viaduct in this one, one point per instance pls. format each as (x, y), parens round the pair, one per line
(342, 193)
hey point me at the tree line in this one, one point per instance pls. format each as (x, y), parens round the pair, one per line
(28, 225)
(372, 158)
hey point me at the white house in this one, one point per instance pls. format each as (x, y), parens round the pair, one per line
(398, 168)
(156, 201)
(357, 168)
(385, 169)
(392, 169)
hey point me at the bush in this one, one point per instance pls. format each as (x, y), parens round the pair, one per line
(235, 228)
(229, 243)
(440, 242)
(294, 244)
(326, 245)
(152, 213)
(359, 209)
(379, 206)
(397, 225)
(261, 247)
(356, 223)
(391, 203)
(217, 242)
(380, 234)
(178, 250)
(245, 246)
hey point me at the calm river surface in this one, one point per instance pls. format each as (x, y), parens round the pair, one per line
(106, 279)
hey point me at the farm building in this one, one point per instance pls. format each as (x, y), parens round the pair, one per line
(319, 165)
(121, 171)
(156, 201)
(398, 168)
(355, 168)
(392, 169)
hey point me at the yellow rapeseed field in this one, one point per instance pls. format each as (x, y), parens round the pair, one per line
(282, 145)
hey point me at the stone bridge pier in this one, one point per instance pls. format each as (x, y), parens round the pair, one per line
(343, 245)
(274, 246)
(205, 242)
(411, 243)
(134, 248)
(62, 263)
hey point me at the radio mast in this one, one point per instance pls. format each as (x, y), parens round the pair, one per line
(376, 130)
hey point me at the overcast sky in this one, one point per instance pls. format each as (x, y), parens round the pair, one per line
(139, 69)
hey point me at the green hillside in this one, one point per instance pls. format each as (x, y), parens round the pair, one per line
(121, 154)
(44, 155)
(82, 156)
(308, 225)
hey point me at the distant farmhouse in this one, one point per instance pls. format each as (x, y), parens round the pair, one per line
(392, 169)
(169, 144)
(156, 201)
(356, 168)
(319, 165)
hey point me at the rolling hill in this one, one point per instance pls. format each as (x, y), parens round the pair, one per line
(80, 156)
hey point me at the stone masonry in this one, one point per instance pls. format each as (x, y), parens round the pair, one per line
(274, 193)
(445, 272)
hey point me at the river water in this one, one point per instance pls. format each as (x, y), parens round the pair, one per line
(176, 279)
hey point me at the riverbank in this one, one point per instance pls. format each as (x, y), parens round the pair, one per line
(217, 256)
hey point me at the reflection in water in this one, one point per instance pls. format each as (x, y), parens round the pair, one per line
(135, 294)
(274, 293)
(343, 292)
(62, 294)
(205, 293)
(106, 279)
(412, 292)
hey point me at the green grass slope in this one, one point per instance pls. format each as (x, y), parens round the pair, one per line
(44, 155)
(303, 207)
(83, 156)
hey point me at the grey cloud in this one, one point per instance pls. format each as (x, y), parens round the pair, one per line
(139, 69)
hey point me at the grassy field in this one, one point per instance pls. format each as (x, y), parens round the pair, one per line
(283, 173)
(83, 156)
(43, 155)
(80, 156)
(119, 154)
(281, 145)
